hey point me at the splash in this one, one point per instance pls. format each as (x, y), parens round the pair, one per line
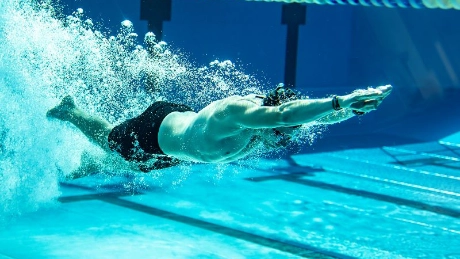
(46, 56)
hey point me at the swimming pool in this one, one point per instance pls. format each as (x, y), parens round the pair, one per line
(384, 185)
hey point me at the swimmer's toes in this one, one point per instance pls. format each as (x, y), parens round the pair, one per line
(68, 101)
(62, 110)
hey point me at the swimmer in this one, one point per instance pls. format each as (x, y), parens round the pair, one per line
(224, 131)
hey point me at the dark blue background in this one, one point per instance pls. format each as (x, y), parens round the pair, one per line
(340, 48)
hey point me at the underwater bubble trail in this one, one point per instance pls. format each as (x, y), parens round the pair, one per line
(46, 56)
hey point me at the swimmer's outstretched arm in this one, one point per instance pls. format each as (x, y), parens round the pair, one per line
(367, 106)
(250, 115)
(337, 116)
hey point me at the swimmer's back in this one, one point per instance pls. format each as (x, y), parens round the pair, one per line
(207, 136)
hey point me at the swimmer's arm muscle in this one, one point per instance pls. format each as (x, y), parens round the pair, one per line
(250, 115)
(337, 116)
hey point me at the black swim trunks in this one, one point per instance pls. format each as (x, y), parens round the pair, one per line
(137, 139)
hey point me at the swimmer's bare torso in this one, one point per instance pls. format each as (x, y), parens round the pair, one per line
(212, 134)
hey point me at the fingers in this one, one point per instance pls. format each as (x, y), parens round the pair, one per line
(378, 93)
(368, 94)
(385, 88)
(369, 99)
(371, 104)
(366, 105)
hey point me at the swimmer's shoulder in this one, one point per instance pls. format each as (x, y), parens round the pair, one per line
(253, 98)
(232, 103)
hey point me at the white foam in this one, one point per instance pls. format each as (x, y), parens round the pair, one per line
(45, 58)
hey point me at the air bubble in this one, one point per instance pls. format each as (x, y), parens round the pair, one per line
(111, 77)
(127, 24)
(89, 22)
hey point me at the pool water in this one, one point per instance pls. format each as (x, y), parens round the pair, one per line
(385, 185)
(386, 202)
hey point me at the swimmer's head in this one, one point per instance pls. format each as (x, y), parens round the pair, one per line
(279, 96)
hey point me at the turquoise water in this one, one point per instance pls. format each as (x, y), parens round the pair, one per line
(45, 58)
(387, 200)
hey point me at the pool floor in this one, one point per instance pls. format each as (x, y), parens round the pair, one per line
(383, 202)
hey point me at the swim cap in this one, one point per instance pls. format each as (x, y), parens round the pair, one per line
(279, 96)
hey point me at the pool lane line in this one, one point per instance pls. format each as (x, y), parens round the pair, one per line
(429, 158)
(296, 178)
(396, 167)
(453, 147)
(335, 170)
(92, 196)
(413, 152)
(287, 246)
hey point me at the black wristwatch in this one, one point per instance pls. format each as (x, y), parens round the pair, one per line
(335, 103)
(336, 106)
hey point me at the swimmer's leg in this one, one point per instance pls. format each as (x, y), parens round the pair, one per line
(96, 129)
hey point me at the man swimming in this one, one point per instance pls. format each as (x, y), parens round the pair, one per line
(224, 131)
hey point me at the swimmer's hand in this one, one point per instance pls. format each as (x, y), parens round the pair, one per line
(365, 100)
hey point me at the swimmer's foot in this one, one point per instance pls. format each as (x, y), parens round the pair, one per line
(62, 111)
